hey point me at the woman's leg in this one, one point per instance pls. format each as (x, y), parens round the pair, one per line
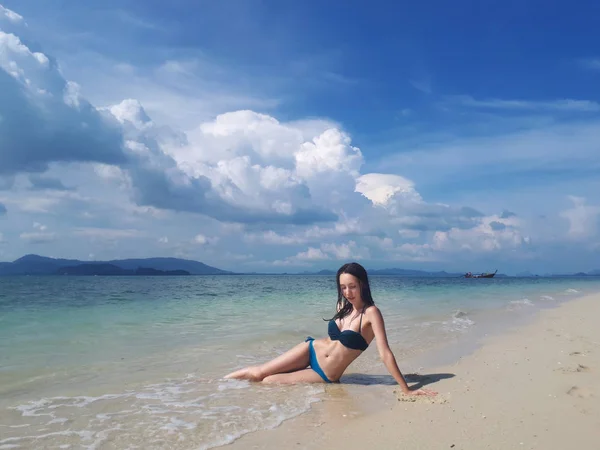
(299, 376)
(295, 359)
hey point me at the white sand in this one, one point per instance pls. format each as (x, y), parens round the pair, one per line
(536, 387)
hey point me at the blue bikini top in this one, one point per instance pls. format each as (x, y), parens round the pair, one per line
(348, 338)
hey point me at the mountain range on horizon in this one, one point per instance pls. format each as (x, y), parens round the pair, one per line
(42, 265)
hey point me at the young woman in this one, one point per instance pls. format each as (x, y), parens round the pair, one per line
(357, 322)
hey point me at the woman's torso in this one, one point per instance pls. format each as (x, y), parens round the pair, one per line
(333, 356)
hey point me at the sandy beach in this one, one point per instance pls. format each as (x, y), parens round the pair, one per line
(532, 387)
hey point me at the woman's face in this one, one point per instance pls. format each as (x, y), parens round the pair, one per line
(350, 287)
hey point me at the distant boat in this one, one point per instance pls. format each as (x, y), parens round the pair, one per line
(480, 275)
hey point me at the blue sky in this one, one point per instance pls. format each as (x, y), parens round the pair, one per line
(271, 136)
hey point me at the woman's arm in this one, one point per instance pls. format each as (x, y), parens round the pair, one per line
(386, 353)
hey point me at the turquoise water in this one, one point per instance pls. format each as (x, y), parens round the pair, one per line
(136, 362)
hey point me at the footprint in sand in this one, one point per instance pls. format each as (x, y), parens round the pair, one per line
(580, 392)
(574, 369)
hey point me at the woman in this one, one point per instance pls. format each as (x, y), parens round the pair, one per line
(357, 322)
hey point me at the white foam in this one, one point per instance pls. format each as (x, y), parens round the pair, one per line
(572, 291)
(167, 412)
(546, 297)
(522, 302)
(58, 420)
(234, 384)
(177, 424)
(460, 322)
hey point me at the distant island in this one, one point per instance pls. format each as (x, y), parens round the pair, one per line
(42, 265)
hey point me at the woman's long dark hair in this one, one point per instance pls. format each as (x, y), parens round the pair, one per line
(344, 307)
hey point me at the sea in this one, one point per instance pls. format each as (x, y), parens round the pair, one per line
(138, 362)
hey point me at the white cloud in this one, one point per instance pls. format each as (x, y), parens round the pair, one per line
(329, 152)
(565, 105)
(271, 237)
(39, 226)
(343, 227)
(327, 251)
(38, 238)
(312, 254)
(201, 239)
(107, 233)
(487, 236)
(38, 126)
(37, 204)
(583, 218)
(10, 15)
(346, 251)
(380, 188)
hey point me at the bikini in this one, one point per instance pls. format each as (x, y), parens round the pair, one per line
(349, 338)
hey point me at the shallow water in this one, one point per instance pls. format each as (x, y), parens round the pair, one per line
(136, 362)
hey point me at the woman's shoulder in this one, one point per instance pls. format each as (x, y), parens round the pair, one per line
(372, 311)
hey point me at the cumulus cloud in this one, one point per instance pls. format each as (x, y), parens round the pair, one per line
(380, 188)
(253, 160)
(242, 166)
(40, 122)
(400, 204)
(582, 218)
(63, 127)
(345, 226)
(491, 234)
(326, 251)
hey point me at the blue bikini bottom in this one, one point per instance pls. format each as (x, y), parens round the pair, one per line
(314, 364)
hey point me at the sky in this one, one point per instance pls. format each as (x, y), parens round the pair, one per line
(269, 136)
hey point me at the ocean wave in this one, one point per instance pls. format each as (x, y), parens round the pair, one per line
(518, 304)
(201, 414)
(572, 291)
(460, 322)
(546, 297)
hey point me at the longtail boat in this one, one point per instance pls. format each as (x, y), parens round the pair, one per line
(481, 275)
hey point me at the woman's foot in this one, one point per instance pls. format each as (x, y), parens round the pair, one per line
(249, 373)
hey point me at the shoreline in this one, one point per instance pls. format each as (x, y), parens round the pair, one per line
(529, 385)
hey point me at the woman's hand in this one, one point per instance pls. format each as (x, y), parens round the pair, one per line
(425, 392)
